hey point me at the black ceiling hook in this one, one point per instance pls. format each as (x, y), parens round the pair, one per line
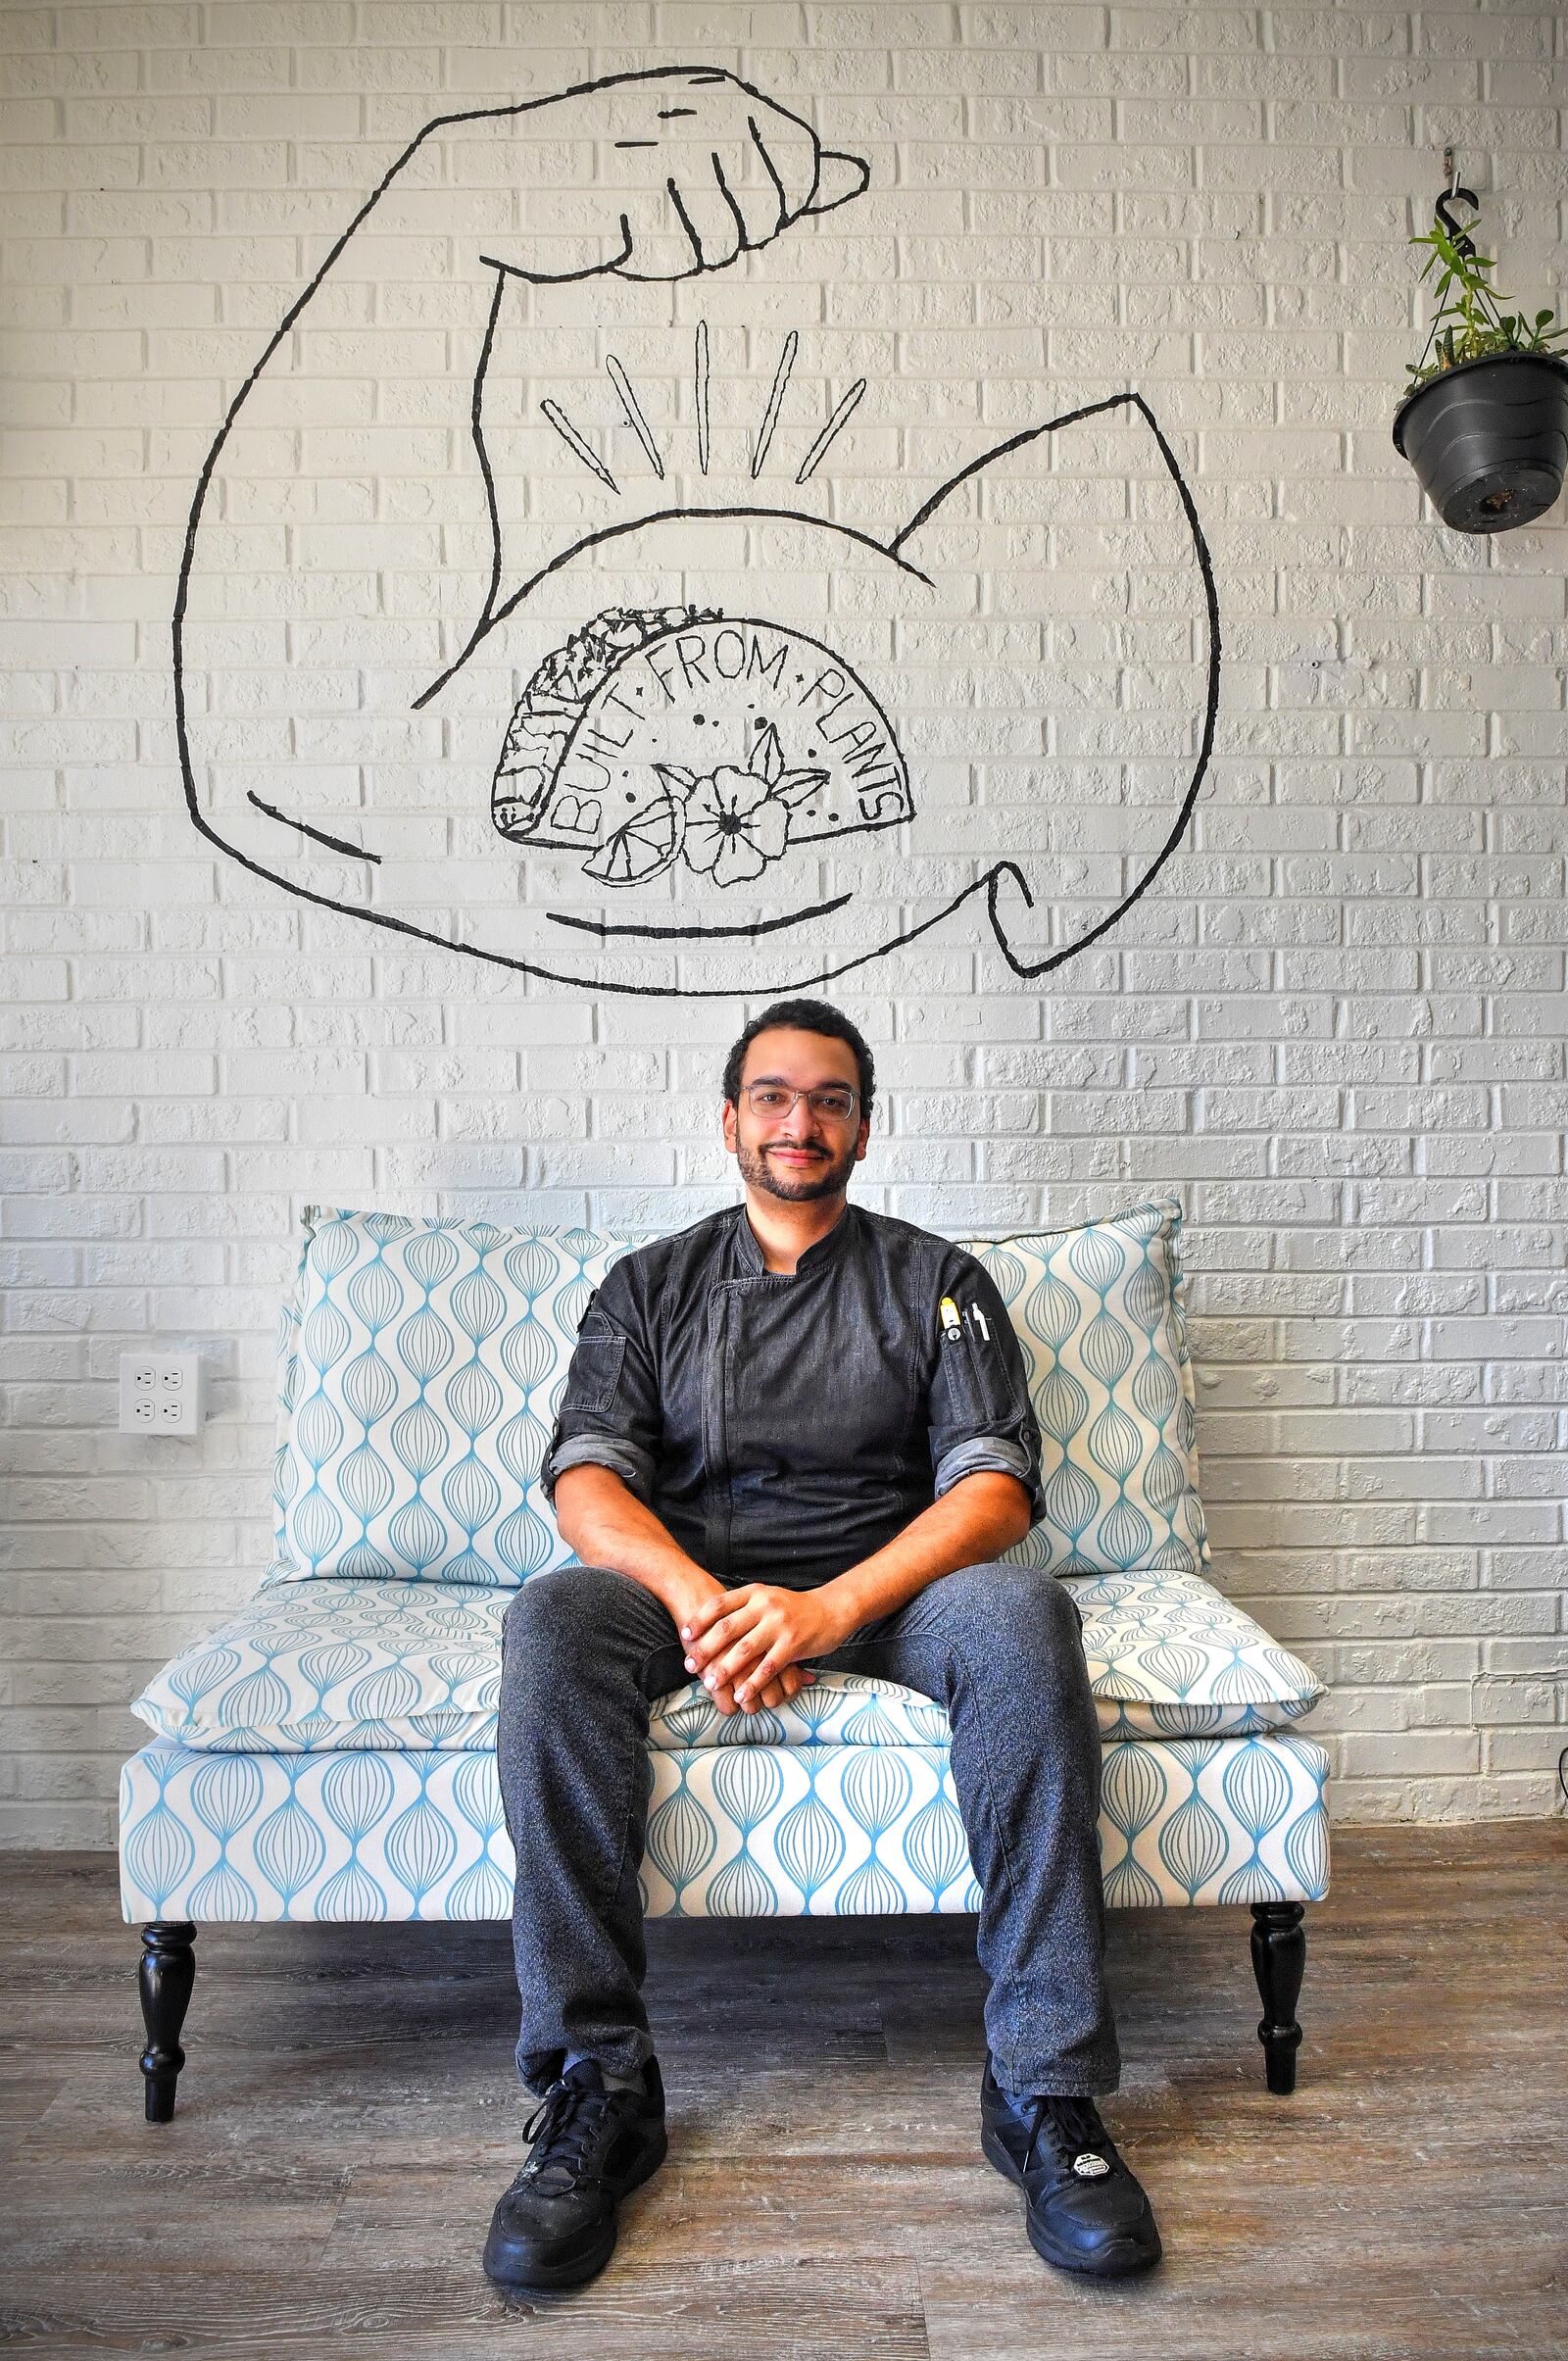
(1440, 213)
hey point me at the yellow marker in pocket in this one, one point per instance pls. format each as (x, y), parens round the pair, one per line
(952, 1325)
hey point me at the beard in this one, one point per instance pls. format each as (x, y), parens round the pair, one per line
(829, 1177)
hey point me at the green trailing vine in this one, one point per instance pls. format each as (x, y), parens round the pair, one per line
(1470, 323)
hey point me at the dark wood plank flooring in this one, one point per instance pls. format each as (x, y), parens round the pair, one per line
(348, 2116)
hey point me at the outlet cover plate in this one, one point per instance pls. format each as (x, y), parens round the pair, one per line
(162, 1392)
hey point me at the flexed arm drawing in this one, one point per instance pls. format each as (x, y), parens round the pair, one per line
(409, 516)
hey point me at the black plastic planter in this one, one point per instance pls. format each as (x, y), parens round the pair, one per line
(1488, 439)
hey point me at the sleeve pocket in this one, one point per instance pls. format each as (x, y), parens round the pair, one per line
(995, 1399)
(594, 1378)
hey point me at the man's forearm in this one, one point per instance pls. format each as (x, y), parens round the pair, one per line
(980, 1517)
(605, 1523)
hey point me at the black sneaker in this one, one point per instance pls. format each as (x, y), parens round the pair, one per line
(1085, 2210)
(555, 2225)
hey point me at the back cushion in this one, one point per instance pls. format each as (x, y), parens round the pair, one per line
(421, 1367)
(1100, 1315)
(421, 1363)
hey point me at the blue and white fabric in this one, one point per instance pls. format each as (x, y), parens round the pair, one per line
(422, 1361)
(421, 1365)
(734, 1832)
(331, 1666)
(1099, 1314)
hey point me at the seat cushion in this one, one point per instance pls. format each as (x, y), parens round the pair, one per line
(421, 1363)
(335, 1666)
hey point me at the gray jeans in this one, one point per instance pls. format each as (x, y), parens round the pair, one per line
(586, 1650)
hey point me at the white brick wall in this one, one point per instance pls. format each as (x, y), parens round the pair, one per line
(1335, 1023)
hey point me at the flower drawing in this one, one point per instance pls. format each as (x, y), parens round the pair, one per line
(737, 823)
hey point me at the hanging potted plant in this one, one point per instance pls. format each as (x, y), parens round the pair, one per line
(1485, 419)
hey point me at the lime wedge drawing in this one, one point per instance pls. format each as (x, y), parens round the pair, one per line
(645, 845)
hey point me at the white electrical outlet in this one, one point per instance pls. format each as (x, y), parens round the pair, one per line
(162, 1392)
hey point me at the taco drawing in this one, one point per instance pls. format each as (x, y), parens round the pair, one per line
(666, 709)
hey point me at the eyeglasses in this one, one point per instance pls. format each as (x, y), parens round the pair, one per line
(834, 1102)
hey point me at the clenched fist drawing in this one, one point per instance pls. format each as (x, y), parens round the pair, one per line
(693, 167)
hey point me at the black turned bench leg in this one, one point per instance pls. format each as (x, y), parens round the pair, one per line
(1278, 1955)
(168, 1972)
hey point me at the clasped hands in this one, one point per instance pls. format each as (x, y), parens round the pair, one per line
(746, 1645)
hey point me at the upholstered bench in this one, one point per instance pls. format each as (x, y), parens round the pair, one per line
(330, 1752)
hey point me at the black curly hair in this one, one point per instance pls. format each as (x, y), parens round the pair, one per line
(803, 1016)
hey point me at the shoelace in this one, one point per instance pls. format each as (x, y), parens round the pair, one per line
(1076, 2128)
(565, 2126)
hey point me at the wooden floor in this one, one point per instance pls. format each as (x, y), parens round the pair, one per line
(348, 2117)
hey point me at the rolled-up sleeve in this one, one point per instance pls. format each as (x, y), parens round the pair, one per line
(609, 1413)
(981, 1417)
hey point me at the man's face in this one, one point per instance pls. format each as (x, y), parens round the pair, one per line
(801, 1153)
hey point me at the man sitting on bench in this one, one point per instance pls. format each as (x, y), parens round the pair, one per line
(797, 1434)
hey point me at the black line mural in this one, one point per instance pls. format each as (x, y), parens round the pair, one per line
(716, 745)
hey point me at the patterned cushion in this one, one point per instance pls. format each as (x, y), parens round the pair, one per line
(733, 1832)
(421, 1363)
(387, 1667)
(1099, 1313)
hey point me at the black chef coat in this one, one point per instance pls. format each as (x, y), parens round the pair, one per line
(783, 1426)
